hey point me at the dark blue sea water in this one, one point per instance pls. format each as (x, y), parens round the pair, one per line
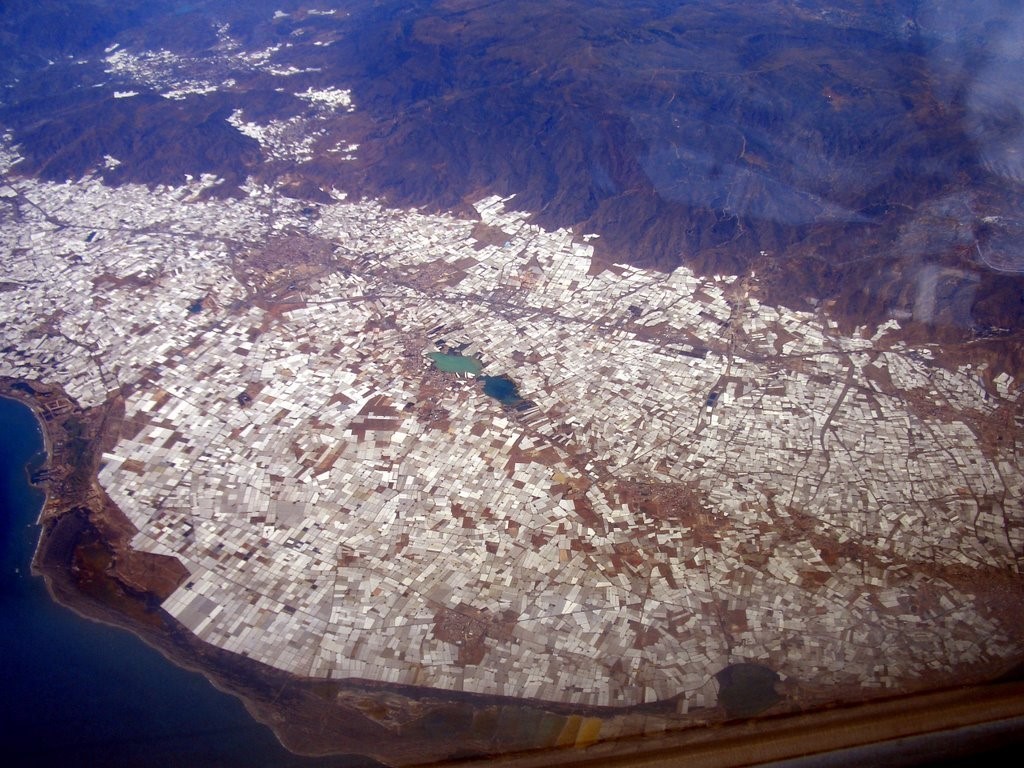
(76, 692)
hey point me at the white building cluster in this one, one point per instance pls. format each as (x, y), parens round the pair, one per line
(336, 500)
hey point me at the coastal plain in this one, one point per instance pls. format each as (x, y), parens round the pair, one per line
(693, 479)
(421, 474)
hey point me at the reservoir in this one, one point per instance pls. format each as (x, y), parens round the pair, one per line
(502, 389)
(81, 693)
(449, 363)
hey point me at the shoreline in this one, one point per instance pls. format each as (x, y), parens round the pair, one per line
(384, 721)
(353, 699)
(17, 397)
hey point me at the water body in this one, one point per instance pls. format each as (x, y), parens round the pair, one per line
(81, 693)
(502, 389)
(455, 363)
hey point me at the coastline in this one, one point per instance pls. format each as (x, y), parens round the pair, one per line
(393, 723)
(399, 725)
(113, 699)
(14, 395)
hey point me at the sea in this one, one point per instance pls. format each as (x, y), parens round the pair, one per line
(77, 692)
